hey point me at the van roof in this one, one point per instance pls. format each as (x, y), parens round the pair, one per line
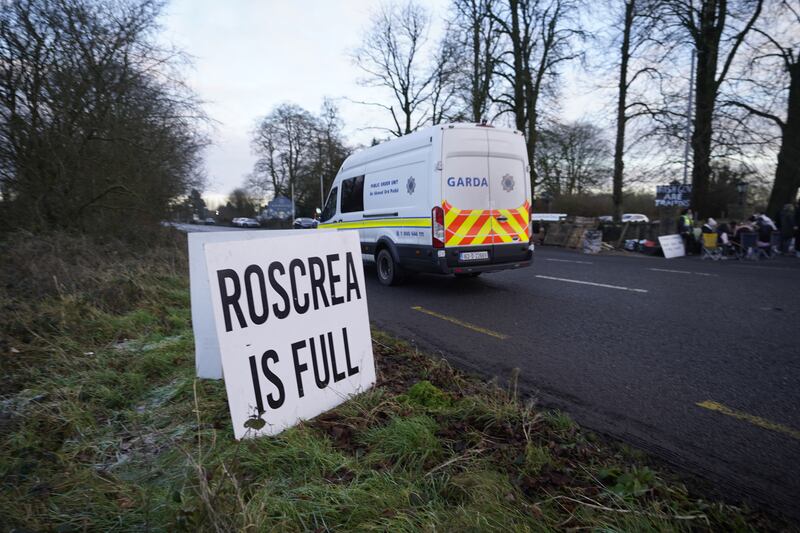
(407, 142)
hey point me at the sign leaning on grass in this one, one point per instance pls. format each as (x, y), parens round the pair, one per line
(291, 319)
(672, 246)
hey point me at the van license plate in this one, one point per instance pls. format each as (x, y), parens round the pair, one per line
(473, 256)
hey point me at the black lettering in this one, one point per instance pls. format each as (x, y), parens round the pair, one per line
(295, 265)
(271, 355)
(333, 279)
(299, 368)
(277, 287)
(248, 287)
(350, 368)
(337, 377)
(317, 280)
(321, 383)
(256, 385)
(230, 300)
(352, 282)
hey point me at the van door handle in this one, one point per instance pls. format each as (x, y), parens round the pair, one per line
(501, 218)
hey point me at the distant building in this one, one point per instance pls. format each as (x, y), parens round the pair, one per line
(279, 208)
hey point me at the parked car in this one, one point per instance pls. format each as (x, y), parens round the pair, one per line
(548, 217)
(605, 218)
(305, 223)
(210, 221)
(634, 217)
(250, 223)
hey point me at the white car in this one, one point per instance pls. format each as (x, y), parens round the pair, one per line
(634, 217)
(549, 217)
(449, 199)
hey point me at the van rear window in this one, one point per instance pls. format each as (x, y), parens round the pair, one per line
(353, 194)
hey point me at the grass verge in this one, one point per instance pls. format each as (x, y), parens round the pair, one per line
(104, 427)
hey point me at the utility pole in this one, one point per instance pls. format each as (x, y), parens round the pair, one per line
(688, 122)
(291, 185)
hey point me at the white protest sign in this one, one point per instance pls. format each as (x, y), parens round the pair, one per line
(292, 325)
(672, 246)
(206, 347)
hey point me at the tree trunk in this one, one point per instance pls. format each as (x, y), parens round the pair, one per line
(520, 67)
(619, 146)
(787, 174)
(705, 97)
(477, 96)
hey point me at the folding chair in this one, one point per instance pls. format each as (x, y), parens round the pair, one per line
(748, 246)
(711, 248)
(775, 242)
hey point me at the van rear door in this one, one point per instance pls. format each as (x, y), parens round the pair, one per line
(508, 187)
(465, 189)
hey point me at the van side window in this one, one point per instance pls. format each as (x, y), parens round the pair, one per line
(353, 194)
(330, 205)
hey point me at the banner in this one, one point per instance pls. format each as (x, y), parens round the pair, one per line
(673, 195)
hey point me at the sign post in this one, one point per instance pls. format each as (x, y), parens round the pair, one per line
(291, 319)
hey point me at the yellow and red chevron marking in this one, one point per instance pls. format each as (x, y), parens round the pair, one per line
(480, 226)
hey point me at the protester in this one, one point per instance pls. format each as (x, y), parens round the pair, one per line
(764, 220)
(743, 227)
(786, 223)
(710, 226)
(685, 225)
(726, 229)
(797, 229)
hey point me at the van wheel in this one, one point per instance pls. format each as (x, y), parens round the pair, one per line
(389, 272)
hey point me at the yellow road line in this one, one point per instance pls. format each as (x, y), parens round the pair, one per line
(747, 417)
(461, 323)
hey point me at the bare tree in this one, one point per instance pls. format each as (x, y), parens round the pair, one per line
(443, 100)
(639, 19)
(768, 92)
(392, 56)
(297, 150)
(716, 30)
(572, 157)
(282, 142)
(541, 36)
(96, 124)
(478, 39)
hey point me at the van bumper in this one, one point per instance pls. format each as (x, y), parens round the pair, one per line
(501, 257)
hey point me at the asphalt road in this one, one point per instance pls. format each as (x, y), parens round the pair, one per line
(695, 361)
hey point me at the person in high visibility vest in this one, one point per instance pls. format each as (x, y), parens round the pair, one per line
(685, 226)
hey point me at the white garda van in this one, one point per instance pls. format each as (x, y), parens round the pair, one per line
(452, 198)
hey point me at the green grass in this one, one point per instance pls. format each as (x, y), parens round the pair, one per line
(104, 427)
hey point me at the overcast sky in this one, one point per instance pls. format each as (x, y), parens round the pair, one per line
(250, 56)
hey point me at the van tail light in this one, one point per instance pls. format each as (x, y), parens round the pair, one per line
(437, 227)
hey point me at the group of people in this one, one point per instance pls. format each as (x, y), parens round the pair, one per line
(729, 234)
